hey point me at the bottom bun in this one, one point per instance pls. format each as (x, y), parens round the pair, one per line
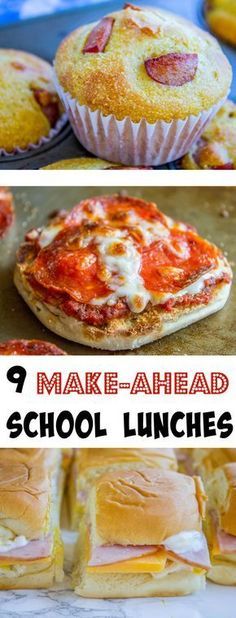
(117, 585)
(120, 334)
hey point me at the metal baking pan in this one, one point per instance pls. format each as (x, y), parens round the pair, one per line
(42, 36)
(211, 209)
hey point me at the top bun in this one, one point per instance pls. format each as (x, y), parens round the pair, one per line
(112, 69)
(47, 457)
(143, 507)
(96, 459)
(24, 499)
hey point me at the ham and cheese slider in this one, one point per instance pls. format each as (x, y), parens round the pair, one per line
(31, 554)
(90, 463)
(142, 536)
(204, 461)
(221, 524)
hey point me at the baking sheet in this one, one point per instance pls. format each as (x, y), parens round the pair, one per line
(42, 36)
(211, 209)
(214, 602)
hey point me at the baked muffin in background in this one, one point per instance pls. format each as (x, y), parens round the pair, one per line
(29, 104)
(221, 17)
(84, 163)
(140, 85)
(216, 148)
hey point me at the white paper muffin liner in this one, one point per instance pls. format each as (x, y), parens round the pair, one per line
(130, 143)
(44, 140)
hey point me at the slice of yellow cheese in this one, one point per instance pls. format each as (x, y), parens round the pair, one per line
(215, 551)
(212, 538)
(153, 563)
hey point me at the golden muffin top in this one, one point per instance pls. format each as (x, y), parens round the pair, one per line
(216, 149)
(29, 105)
(221, 17)
(82, 163)
(87, 163)
(143, 63)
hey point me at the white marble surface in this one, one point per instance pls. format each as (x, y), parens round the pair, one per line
(214, 602)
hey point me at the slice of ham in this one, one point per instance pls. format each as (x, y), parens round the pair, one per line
(109, 554)
(226, 542)
(34, 550)
(193, 551)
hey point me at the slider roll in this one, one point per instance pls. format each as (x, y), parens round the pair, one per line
(206, 460)
(221, 524)
(142, 536)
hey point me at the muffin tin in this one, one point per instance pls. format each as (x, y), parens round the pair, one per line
(42, 36)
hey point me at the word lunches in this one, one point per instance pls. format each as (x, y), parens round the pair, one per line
(108, 383)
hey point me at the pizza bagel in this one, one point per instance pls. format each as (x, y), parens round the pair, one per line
(116, 273)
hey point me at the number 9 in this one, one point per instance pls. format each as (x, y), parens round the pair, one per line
(17, 375)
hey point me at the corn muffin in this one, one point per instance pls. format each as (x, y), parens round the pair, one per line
(29, 106)
(221, 17)
(140, 85)
(216, 149)
(82, 163)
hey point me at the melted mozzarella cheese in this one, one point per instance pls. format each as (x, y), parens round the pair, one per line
(18, 541)
(151, 231)
(172, 567)
(191, 540)
(95, 211)
(48, 234)
(122, 260)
